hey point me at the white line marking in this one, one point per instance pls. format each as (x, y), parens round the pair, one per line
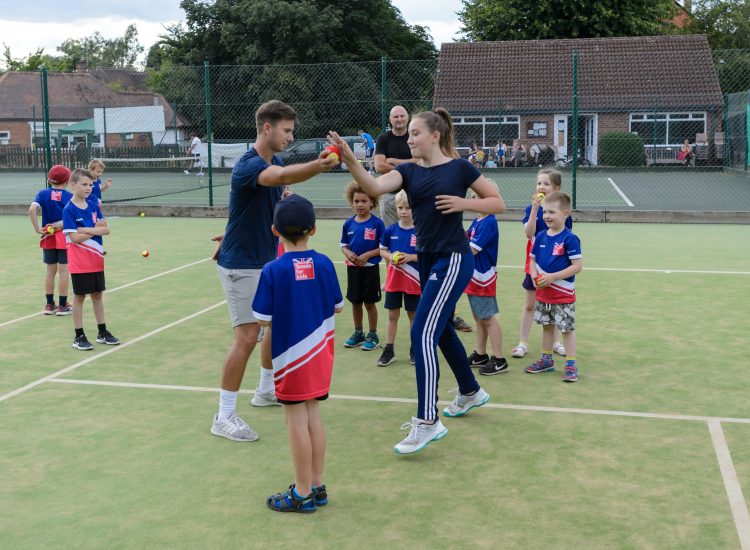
(619, 192)
(637, 270)
(112, 349)
(414, 401)
(116, 289)
(731, 484)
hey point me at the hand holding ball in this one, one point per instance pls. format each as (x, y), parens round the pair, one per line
(397, 257)
(332, 153)
(538, 197)
(540, 281)
(50, 229)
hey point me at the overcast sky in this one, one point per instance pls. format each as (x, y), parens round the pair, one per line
(27, 25)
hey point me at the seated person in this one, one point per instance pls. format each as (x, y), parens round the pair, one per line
(500, 152)
(517, 154)
(686, 152)
(534, 151)
(490, 161)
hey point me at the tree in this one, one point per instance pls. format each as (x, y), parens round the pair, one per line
(726, 23)
(262, 32)
(33, 62)
(541, 19)
(97, 51)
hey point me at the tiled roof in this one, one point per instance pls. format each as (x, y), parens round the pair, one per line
(653, 72)
(128, 81)
(72, 96)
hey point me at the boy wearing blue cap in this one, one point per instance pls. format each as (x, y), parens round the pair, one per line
(298, 295)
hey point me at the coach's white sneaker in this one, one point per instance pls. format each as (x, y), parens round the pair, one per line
(264, 399)
(464, 403)
(234, 428)
(558, 348)
(420, 435)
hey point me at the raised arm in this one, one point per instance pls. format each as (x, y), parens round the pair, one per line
(387, 183)
(274, 176)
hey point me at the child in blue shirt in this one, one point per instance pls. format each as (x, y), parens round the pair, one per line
(298, 295)
(360, 243)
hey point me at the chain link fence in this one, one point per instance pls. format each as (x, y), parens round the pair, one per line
(617, 151)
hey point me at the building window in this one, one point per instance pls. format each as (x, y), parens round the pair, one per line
(4, 137)
(667, 128)
(486, 131)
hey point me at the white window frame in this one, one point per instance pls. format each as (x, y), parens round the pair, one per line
(511, 120)
(678, 116)
(4, 137)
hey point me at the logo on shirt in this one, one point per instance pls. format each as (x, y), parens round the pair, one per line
(93, 217)
(304, 269)
(558, 249)
(369, 234)
(413, 241)
(56, 196)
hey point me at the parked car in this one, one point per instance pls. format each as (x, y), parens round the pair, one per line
(305, 150)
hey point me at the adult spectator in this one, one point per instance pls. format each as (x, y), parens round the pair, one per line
(686, 152)
(258, 180)
(392, 149)
(517, 154)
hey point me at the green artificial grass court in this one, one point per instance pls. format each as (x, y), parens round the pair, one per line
(91, 466)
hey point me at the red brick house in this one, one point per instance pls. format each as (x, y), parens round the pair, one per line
(72, 98)
(663, 88)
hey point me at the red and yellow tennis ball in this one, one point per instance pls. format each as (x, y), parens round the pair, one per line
(332, 153)
(397, 257)
(50, 229)
(538, 197)
(145, 254)
(540, 281)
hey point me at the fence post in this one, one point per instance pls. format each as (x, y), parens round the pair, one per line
(209, 137)
(176, 135)
(383, 93)
(725, 161)
(104, 117)
(575, 127)
(33, 137)
(45, 117)
(747, 134)
(653, 131)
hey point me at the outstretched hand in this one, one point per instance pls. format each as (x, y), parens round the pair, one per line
(347, 155)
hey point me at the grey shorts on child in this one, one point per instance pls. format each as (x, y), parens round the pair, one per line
(563, 316)
(483, 307)
(239, 287)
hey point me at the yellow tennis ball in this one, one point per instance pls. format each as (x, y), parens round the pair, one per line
(50, 230)
(143, 214)
(396, 257)
(539, 196)
(145, 254)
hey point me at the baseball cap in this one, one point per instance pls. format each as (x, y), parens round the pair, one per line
(59, 174)
(294, 216)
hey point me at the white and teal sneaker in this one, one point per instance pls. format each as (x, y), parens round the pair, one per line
(371, 342)
(464, 403)
(355, 340)
(420, 435)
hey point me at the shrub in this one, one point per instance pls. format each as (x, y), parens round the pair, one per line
(621, 149)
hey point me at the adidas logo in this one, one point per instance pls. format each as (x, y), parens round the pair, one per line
(433, 277)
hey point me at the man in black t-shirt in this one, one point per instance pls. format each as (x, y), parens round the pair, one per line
(392, 149)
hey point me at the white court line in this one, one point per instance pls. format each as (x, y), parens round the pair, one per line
(619, 192)
(117, 288)
(636, 269)
(112, 349)
(731, 484)
(414, 401)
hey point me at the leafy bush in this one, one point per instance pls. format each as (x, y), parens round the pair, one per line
(621, 149)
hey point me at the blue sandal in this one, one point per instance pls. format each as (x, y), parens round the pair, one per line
(290, 501)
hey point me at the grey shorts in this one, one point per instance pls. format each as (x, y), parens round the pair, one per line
(483, 307)
(563, 316)
(239, 288)
(388, 209)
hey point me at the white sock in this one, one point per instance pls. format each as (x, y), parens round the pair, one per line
(266, 381)
(227, 403)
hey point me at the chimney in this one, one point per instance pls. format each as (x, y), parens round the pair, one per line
(81, 67)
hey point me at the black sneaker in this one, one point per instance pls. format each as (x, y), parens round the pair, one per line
(82, 343)
(387, 357)
(320, 495)
(477, 360)
(107, 338)
(494, 366)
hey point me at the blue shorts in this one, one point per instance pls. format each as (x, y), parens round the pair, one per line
(54, 256)
(484, 307)
(393, 300)
(527, 283)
